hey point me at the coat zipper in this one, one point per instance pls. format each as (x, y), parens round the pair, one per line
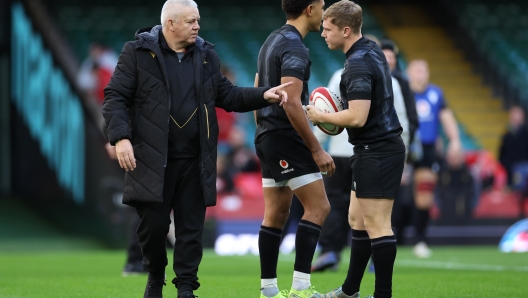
(207, 119)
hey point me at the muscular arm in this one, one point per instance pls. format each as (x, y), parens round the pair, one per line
(255, 84)
(297, 116)
(355, 116)
(300, 123)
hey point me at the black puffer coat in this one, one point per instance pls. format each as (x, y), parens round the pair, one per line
(137, 106)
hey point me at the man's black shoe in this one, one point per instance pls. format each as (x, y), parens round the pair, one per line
(186, 294)
(154, 288)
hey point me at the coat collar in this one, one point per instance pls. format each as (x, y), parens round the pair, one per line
(149, 38)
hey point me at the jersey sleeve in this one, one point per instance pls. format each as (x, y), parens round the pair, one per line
(295, 62)
(357, 80)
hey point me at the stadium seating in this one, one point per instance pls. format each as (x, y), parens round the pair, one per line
(500, 30)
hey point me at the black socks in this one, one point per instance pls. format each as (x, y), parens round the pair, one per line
(359, 257)
(269, 243)
(383, 256)
(305, 244)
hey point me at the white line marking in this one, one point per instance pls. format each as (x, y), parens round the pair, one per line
(458, 266)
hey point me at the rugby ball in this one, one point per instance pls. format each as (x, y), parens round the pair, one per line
(328, 102)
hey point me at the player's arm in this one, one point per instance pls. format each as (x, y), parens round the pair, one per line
(449, 123)
(358, 94)
(297, 117)
(355, 116)
(255, 84)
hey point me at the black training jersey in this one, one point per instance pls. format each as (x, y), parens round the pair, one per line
(283, 54)
(367, 76)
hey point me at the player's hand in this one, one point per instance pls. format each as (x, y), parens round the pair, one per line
(111, 150)
(314, 114)
(277, 94)
(125, 155)
(455, 154)
(325, 162)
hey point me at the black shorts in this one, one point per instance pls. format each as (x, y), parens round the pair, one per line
(428, 157)
(377, 175)
(283, 156)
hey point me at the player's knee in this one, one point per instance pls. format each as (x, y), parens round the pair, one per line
(355, 222)
(325, 209)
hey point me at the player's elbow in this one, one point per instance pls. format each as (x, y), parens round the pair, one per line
(357, 123)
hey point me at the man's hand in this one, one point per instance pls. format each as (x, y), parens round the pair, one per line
(111, 150)
(125, 155)
(325, 162)
(314, 114)
(277, 94)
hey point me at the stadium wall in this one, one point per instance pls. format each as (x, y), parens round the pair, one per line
(59, 165)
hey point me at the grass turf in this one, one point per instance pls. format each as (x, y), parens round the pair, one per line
(451, 272)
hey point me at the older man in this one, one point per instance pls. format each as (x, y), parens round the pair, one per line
(160, 114)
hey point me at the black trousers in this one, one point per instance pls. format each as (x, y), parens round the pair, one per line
(182, 193)
(335, 230)
(133, 249)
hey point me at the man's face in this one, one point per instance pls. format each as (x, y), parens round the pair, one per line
(317, 15)
(418, 73)
(516, 117)
(333, 35)
(187, 25)
(391, 59)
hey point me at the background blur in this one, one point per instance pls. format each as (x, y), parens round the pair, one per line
(57, 179)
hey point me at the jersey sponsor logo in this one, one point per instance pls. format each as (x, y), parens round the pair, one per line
(423, 108)
(432, 96)
(284, 164)
(287, 171)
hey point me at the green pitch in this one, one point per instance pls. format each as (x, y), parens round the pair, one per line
(451, 272)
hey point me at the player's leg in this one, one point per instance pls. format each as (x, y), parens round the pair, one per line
(424, 186)
(425, 183)
(379, 187)
(277, 202)
(360, 250)
(309, 189)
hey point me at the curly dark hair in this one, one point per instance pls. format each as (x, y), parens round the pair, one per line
(294, 8)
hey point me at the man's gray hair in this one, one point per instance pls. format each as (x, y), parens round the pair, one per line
(170, 9)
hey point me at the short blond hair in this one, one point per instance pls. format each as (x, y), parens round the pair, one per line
(345, 13)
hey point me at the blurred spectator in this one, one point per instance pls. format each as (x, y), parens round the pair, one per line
(96, 70)
(514, 146)
(404, 102)
(225, 119)
(432, 111)
(336, 229)
(239, 155)
(224, 180)
(102, 77)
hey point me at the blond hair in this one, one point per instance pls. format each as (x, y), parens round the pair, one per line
(345, 13)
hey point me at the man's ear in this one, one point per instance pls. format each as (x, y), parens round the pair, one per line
(309, 10)
(347, 31)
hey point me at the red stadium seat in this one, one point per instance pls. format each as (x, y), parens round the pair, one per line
(495, 203)
(249, 185)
